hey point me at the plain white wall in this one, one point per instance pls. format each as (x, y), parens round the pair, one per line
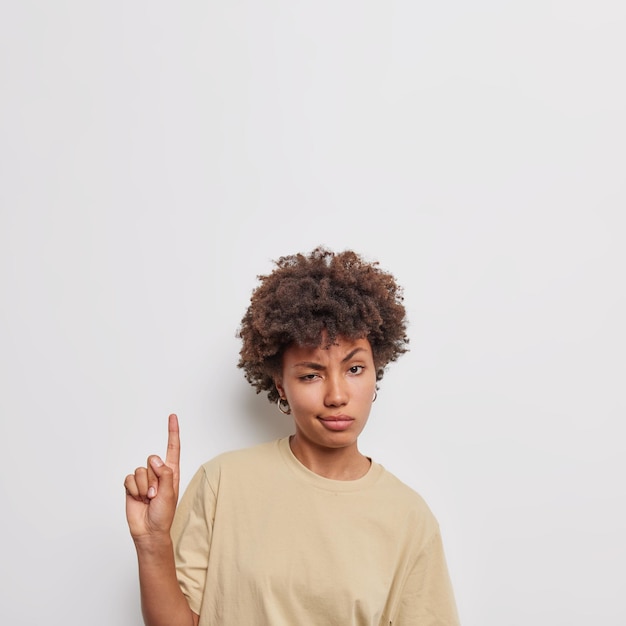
(155, 157)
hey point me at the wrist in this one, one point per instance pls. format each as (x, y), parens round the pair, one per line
(153, 543)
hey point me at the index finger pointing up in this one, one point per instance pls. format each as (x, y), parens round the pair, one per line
(172, 457)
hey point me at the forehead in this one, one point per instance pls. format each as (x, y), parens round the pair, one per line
(339, 350)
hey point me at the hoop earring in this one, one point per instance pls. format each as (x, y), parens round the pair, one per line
(375, 396)
(283, 406)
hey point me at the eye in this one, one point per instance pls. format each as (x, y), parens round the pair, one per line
(306, 377)
(356, 369)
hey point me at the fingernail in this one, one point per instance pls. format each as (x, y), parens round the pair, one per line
(151, 492)
(157, 461)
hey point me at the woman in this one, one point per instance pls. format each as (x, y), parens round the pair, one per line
(305, 530)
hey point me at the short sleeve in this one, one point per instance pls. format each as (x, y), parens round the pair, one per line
(427, 597)
(191, 537)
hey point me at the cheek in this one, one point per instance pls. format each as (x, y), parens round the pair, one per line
(366, 387)
(304, 398)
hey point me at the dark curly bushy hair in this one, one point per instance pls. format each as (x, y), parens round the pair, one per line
(305, 295)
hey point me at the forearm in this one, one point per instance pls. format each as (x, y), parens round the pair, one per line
(162, 601)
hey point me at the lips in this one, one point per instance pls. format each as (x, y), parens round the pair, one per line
(336, 422)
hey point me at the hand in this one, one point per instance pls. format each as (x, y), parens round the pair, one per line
(152, 491)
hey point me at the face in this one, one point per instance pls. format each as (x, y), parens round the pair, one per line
(330, 391)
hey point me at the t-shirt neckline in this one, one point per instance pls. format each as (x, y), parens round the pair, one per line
(321, 482)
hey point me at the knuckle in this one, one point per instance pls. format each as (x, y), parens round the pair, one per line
(166, 471)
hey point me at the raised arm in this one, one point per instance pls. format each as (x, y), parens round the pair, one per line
(151, 498)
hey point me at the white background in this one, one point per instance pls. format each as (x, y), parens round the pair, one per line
(156, 156)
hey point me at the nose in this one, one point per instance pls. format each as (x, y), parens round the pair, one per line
(336, 391)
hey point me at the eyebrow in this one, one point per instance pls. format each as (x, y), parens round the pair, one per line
(317, 366)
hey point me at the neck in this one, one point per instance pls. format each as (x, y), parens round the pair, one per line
(334, 463)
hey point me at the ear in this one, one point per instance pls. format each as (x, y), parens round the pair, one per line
(279, 387)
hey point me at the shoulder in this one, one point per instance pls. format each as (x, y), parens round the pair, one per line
(400, 489)
(235, 470)
(406, 501)
(243, 462)
(244, 455)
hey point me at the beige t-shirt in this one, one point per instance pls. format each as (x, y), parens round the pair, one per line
(261, 540)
